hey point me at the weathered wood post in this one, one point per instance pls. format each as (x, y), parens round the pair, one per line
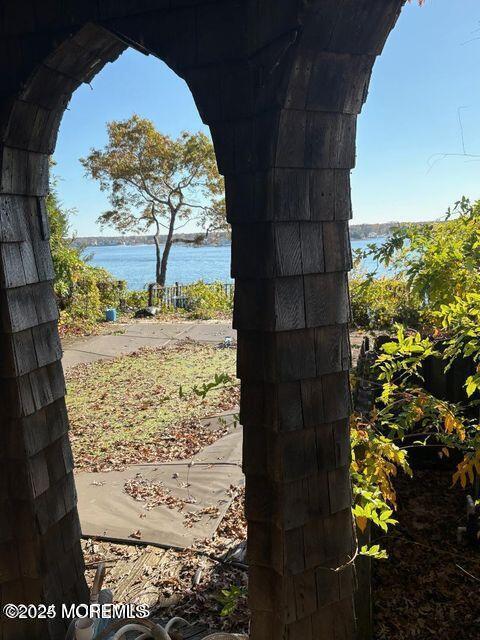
(40, 555)
(290, 260)
(284, 132)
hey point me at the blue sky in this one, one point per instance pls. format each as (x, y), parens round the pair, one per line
(427, 72)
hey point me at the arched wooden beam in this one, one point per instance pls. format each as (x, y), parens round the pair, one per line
(280, 83)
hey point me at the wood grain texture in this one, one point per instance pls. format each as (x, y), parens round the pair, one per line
(292, 455)
(280, 83)
(43, 543)
(293, 355)
(23, 172)
(267, 250)
(290, 206)
(288, 195)
(296, 302)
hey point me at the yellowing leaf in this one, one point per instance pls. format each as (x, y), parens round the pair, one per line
(449, 422)
(361, 523)
(471, 388)
(417, 413)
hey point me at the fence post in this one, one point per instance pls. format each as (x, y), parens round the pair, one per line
(150, 294)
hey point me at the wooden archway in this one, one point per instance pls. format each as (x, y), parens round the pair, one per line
(280, 82)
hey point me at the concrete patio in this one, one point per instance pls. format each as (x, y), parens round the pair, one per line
(127, 338)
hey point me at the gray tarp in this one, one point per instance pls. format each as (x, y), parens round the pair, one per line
(107, 511)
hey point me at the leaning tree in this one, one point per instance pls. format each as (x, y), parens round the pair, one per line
(157, 182)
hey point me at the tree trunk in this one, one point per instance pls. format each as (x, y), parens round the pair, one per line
(162, 262)
(158, 270)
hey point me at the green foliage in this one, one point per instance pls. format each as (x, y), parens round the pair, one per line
(155, 181)
(406, 409)
(402, 358)
(230, 599)
(83, 292)
(461, 321)
(407, 415)
(438, 261)
(135, 299)
(405, 406)
(374, 552)
(220, 380)
(375, 462)
(206, 301)
(65, 257)
(379, 303)
(437, 267)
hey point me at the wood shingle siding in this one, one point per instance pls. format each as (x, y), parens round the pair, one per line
(280, 83)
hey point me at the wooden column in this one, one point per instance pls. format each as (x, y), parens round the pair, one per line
(287, 164)
(290, 258)
(40, 555)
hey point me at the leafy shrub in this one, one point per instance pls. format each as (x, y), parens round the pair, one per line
(438, 261)
(404, 417)
(436, 277)
(231, 598)
(379, 303)
(461, 322)
(83, 292)
(112, 291)
(90, 292)
(375, 462)
(433, 265)
(409, 407)
(134, 299)
(207, 300)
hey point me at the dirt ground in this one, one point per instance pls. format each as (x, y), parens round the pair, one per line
(180, 583)
(430, 585)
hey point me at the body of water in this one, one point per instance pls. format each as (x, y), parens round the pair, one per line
(136, 263)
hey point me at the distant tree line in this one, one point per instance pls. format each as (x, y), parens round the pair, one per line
(199, 238)
(357, 232)
(380, 230)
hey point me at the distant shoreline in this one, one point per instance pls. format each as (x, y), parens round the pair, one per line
(357, 232)
(193, 239)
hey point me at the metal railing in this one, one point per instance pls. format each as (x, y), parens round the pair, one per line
(175, 295)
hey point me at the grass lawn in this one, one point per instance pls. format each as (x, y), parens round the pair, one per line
(130, 409)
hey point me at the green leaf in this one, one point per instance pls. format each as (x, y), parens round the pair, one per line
(374, 552)
(390, 347)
